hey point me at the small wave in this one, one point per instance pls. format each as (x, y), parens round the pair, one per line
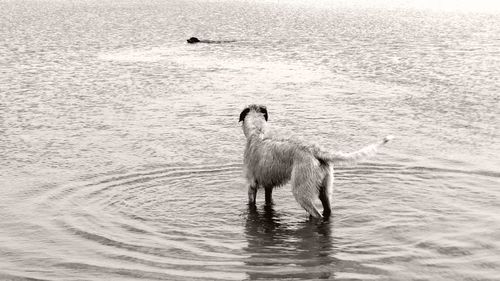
(139, 272)
(153, 244)
(180, 169)
(457, 171)
(214, 61)
(93, 188)
(375, 168)
(173, 173)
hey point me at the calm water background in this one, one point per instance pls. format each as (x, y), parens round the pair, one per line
(121, 152)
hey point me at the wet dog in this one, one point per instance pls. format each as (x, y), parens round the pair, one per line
(272, 161)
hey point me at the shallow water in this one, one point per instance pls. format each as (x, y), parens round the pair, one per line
(121, 150)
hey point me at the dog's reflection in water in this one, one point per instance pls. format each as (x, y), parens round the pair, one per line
(279, 250)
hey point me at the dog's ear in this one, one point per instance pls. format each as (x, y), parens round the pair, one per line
(243, 114)
(263, 109)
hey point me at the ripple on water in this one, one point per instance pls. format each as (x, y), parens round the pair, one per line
(190, 222)
(149, 224)
(420, 217)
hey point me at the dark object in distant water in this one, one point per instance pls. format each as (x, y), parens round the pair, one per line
(194, 40)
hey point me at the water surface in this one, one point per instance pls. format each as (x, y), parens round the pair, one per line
(121, 152)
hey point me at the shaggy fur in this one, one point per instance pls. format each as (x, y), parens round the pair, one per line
(272, 161)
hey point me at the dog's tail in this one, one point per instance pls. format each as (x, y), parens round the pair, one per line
(356, 156)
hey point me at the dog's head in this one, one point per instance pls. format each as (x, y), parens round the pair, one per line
(193, 40)
(254, 108)
(254, 118)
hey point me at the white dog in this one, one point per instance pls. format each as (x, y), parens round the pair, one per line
(272, 161)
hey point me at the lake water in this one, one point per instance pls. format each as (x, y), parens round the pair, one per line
(121, 152)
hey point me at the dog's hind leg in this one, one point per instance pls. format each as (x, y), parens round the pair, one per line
(325, 195)
(306, 181)
(326, 201)
(326, 192)
(305, 193)
(252, 193)
(308, 204)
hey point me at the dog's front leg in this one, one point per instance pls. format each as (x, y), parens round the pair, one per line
(269, 195)
(252, 193)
